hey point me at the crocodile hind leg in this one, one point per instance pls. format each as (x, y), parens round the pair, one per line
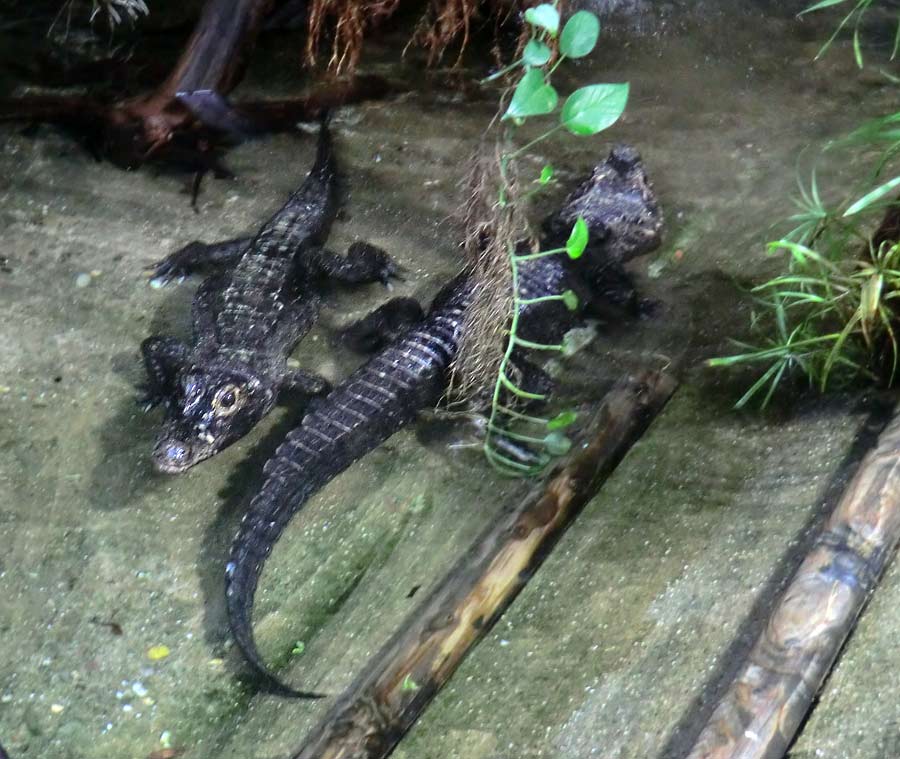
(164, 357)
(363, 263)
(383, 325)
(531, 378)
(197, 256)
(614, 297)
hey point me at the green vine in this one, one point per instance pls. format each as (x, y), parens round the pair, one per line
(587, 111)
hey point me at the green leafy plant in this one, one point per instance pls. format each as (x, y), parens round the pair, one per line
(832, 316)
(586, 111)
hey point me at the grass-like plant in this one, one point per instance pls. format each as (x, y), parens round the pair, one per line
(833, 315)
(853, 19)
(586, 111)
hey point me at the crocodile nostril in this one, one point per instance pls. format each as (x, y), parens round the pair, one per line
(172, 452)
(175, 452)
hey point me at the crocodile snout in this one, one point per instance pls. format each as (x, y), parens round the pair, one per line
(172, 456)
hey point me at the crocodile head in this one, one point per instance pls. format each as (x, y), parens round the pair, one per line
(619, 206)
(212, 408)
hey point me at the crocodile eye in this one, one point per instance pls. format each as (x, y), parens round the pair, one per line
(227, 399)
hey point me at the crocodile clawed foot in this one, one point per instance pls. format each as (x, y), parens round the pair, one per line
(176, 265)
(371, 259)
(392, 270)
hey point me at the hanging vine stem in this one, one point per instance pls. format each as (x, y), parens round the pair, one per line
(586, 111)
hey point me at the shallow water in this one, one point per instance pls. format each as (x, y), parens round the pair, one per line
(648, 597)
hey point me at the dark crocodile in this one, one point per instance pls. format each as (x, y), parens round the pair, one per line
(247, 319)
(410, 374)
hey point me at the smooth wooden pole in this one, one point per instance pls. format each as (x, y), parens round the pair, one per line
(398, 683)
(762, 709)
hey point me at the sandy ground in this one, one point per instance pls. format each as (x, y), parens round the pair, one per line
(623, 637)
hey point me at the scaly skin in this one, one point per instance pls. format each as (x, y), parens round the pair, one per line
(410, 374)
(247, 320)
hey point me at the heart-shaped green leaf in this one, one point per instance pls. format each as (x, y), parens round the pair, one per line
(557, 444)
(562, 420)
(578, 240)
(544, 16)
(579, 35)
(533, 97)
(570, 299)
(546, 174)
(536, 53)
(592, 109)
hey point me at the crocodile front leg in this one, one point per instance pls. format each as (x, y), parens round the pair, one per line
(363, 263)
(164, 357)
(613, 295)
(384, 324)
(302, 381)
(196, 256)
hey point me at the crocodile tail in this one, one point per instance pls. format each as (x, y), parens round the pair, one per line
(325, 150)
(376, 401)
(251, 548)
(308, 459)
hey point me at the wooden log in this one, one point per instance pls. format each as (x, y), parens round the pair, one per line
(763, 707)
(379, 707)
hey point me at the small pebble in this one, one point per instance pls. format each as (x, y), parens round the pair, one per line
(57, 708)
(83, 280)
(155, 653)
